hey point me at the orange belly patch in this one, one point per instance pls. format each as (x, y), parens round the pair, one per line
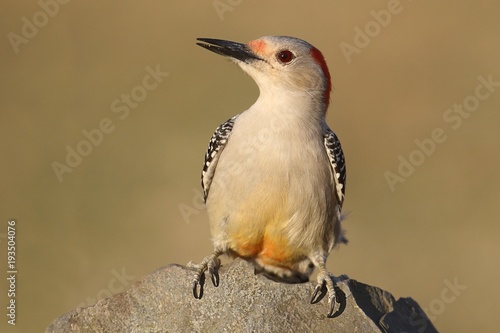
(259, 227)
(271, 249)
(275, 250)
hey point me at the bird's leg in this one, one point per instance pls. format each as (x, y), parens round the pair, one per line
(212, 263)
(324, 278)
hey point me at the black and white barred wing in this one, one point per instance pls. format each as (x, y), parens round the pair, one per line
(215, 148)
(336, 156)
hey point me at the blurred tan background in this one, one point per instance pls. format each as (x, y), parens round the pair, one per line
(132, 204)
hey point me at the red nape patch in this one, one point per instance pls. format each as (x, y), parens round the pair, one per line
(257, 46)
(320, 60)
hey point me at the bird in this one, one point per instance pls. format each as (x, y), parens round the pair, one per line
(274, 175)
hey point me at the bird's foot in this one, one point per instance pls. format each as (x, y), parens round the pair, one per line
(325, 279)
(212, 264)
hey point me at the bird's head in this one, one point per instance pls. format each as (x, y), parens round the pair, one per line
(279, 64)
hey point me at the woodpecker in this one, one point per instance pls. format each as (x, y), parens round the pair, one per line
(274, 175)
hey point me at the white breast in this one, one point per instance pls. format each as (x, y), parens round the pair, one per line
(274, 171)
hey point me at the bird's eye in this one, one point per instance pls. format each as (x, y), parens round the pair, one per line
(285, 56)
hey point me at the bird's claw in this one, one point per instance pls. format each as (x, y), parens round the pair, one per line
(214, 276)
(325, 280)
(199, 282)
(212, 264)
(315, 297)
(331, 302)
(197, 294)
(213, 268)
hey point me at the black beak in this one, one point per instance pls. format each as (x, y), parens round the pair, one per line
(230, 49)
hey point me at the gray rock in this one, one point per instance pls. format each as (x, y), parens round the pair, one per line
(244, 302)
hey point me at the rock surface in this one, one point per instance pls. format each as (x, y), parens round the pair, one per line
(244, 302)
